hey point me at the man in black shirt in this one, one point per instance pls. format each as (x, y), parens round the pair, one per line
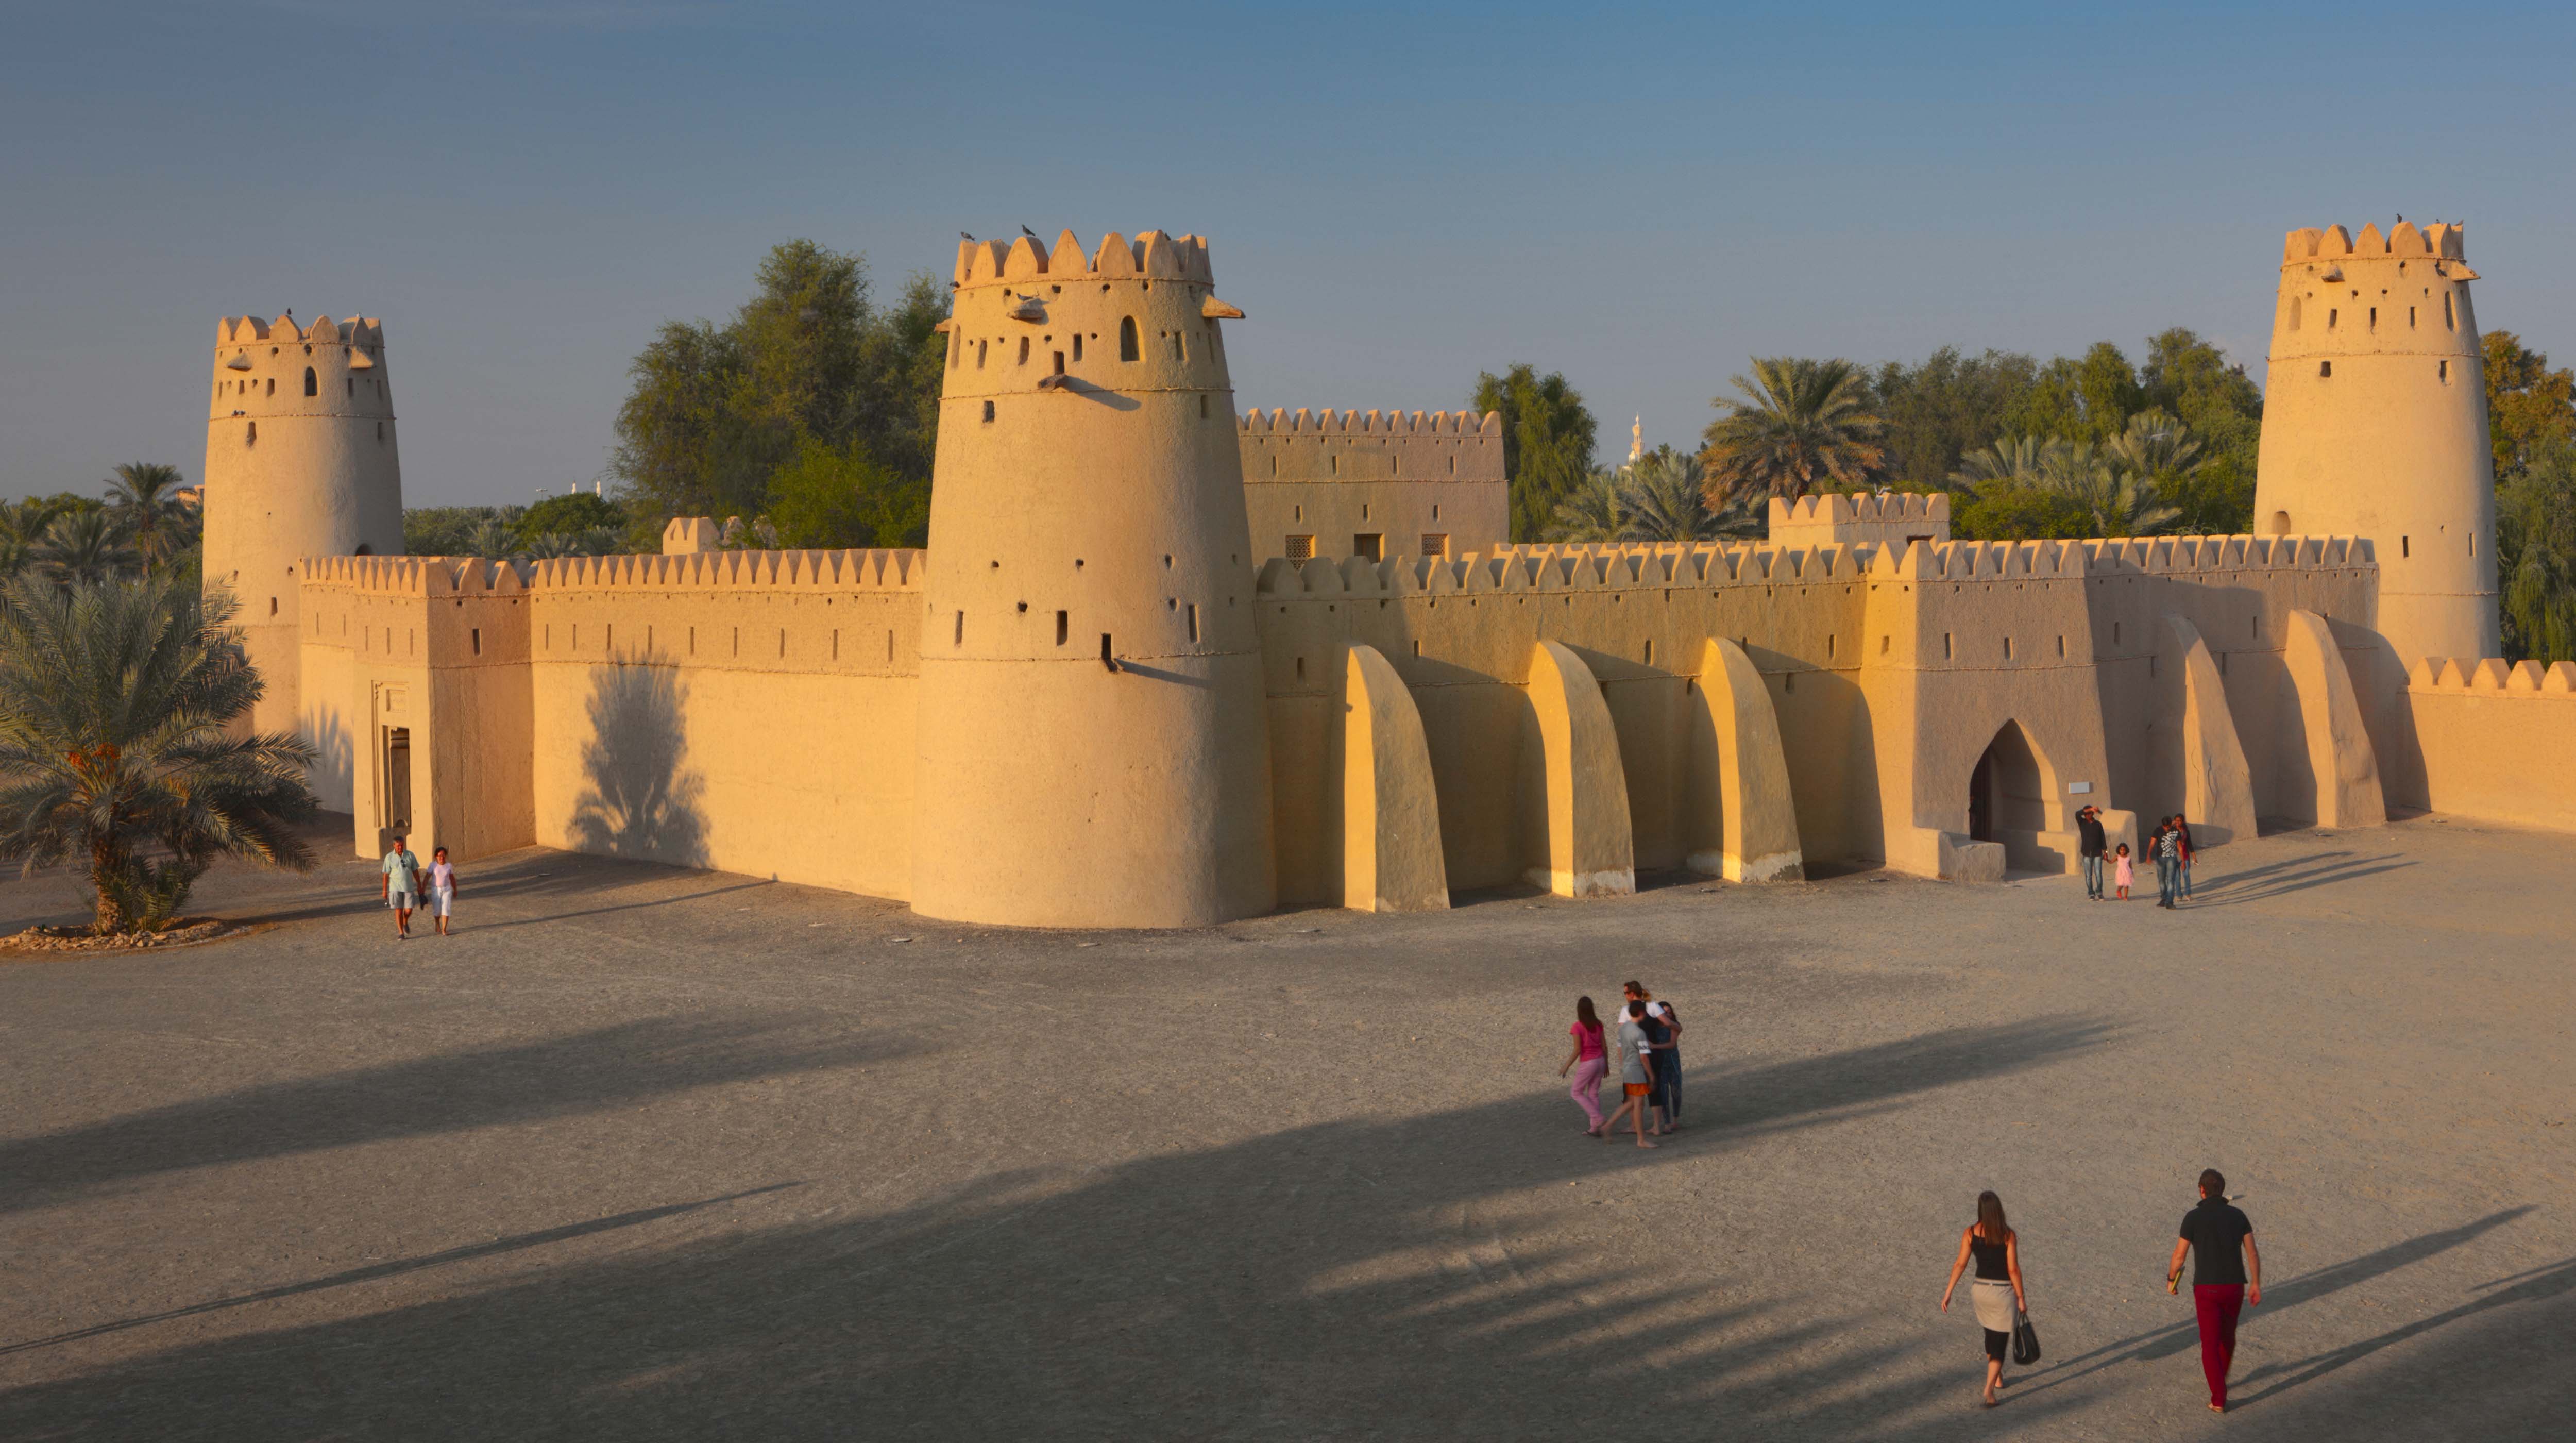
(2091, 847)
(2222, 1280)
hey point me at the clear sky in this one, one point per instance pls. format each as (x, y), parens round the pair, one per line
(1399, 196)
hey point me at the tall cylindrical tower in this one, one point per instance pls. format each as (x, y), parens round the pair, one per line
(2375, 424)
(300, 461)
(1093, 746)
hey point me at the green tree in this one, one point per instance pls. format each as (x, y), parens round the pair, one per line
(715, 414)
(144, 499)
(2530, 408)
(571, 514)
(2020, 512)
(116, 703)
(2014, 461)
(1595, 510)
(827, 497)
(446, 530)
(2222, 410)
(83, 548)
(2536, 553)
(1801, 425)
(1942, 409)
(1547, 442)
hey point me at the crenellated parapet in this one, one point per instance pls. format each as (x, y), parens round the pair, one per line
(349, 331)
(870, 569)
(1891, 519)
(2439, 241)
(2492, 675)
(1371, 448)
(1152, 255)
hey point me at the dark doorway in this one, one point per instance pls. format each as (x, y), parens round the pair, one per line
(1981, 798)
(393, 814)
(2009, 802)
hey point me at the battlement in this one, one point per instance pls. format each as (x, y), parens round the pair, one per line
(860, 570)
(2492, 674)
(2440, 240)
(1393, 423)
(856, 569)
(2161, 555)
(354, 331)
(1836, 509)
(415, 575)
(1152, 255)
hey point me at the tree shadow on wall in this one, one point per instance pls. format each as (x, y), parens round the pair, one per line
(639, 800)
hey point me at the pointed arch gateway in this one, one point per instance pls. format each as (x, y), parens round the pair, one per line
(2014, 799)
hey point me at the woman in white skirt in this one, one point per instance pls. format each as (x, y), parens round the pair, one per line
(1992, 1246)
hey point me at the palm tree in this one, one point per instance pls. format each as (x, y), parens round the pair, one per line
(2013, 461)
(144, 499)
(1803, 425)
(115, 698)
(22, 524)
(545, 545)
(490, 539)
(2156, 446)
(2123, 501)
(1595, 510)
(83, 547)
(1666, 498)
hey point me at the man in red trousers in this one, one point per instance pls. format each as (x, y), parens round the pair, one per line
(2226, 1274)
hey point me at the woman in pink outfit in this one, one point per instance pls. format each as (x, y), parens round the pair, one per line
(1589, 1059)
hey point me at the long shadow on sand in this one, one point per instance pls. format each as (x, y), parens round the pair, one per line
(1345, 1279)
(522, 1082)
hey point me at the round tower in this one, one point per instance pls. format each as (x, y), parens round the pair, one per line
(2375, 424)
(1093, 744)
(299, 462)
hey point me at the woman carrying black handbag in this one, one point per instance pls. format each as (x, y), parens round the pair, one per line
(1991, 1244)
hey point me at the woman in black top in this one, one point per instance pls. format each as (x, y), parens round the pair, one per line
(1996, 1250)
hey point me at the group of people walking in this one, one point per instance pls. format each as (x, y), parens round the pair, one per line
(2170, 846)
(1648, 1042)
(407, 883)
(2227, 1274)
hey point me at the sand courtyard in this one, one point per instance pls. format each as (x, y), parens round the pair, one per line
(648, 1153)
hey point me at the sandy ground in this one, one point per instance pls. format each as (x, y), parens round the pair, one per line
(643, 1153)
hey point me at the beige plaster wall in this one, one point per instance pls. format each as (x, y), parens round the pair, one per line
(2375, 424)
(1336, 476)
(1893, 519)
(747, 711)
(2495, 739)
(289, 476)
(1092, 741)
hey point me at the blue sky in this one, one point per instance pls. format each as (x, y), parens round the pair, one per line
(1640, 197)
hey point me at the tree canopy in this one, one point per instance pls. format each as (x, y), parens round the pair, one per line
(718, 416)
(1547, 442)
(1798, 426)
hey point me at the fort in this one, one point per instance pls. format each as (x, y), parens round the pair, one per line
(1165, 664)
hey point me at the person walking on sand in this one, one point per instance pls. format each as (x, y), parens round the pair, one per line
(2091, 844)
(402, 886)
(1636, 1078)
(1997, 1292)
(2120, 872)
(442, 887)
(2182, 857)
(2169, 862)
(1592, 1056)
(2226, 1276)
(1668, 1060)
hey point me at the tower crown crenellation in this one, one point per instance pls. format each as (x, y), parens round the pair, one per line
(2442, 240)
(1152, 255)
